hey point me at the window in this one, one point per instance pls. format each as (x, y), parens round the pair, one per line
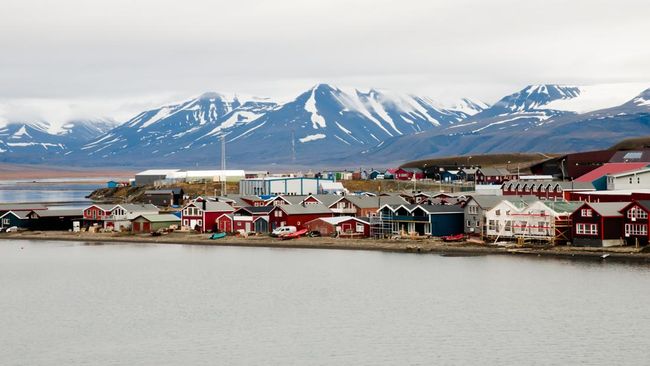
(5, 221)
(498, 212)
(587, 229)
(473, 210)
(586, 212)
(630, 180)
(638, 180)
(637, 213)
(541, 227)
(636, 229)
(359, 227)
(492, 225)
(508, 226)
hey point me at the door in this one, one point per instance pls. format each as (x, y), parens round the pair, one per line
(248, 227)
(146, 227)
(136, 227)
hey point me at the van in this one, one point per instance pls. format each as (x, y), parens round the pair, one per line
(283, 230)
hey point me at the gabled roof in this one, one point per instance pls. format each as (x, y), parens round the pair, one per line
(339, 219)
(59, 212)
(212, 206)
(430, 209)
(608, 209)
(326, 199)
(160, 217)
(23, 215)
(645, 204)
(314, 208)
(609, 168)
(102, 206)
(561, 206)
(486, 202)
(372, 202)
(256, 209)
(495, 172)
(135, 207)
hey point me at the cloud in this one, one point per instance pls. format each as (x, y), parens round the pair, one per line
(114, 51)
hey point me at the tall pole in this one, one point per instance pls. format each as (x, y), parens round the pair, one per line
(223, 165)
(293, 146)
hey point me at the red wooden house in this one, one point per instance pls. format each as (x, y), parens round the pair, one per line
(409, 174)
(598, 224)
(96, 214)
(202, 215)
(635, 223)
(297, 215)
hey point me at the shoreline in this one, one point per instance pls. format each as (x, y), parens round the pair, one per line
(617, 254)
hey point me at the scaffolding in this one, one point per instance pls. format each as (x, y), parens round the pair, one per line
(382, 226)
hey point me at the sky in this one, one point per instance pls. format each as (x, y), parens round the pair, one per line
(81, 59)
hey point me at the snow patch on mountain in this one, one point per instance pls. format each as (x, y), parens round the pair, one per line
(314, 137)
(595, 97)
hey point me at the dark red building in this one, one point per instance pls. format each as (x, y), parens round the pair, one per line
(297, 215)
(598, 224)
(635, 223)
(549, 190)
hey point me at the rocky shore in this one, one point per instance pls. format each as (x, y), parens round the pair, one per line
(624, 254)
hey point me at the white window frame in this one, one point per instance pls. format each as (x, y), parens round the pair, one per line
(586, 229)
(586, 212)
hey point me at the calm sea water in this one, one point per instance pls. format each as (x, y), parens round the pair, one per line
(51, 193)
(77, 304)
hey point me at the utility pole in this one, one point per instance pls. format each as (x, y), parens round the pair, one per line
(293, 146)
(223, 165)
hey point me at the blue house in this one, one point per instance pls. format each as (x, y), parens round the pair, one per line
(373, 174)
(434, 220)
(113, 184)
(15, 218)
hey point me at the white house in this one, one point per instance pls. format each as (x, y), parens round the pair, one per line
(538, 220)
(121, 215)
(635, 179)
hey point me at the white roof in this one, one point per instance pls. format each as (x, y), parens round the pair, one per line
(331, 185)
(215, 173)
(339, 219)
(626, 192)
(158, 172)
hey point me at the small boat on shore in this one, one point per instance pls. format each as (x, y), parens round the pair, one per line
(217, 236)
(450, 238)
(295, 235)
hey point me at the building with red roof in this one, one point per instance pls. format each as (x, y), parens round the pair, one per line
(598, 176)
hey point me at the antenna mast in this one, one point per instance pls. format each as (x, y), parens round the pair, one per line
(293, 146)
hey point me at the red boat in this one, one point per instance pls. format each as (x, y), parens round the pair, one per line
(295, 235)
(457, 237)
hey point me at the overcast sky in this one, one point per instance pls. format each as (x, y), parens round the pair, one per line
(76, 58)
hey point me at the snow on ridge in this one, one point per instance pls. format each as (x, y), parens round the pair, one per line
(317, 121)
(600, 96)
(314, 137)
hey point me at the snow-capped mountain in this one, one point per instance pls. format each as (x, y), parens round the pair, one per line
(539, 118)
(322, 119)
(340, 126)
(35, 141)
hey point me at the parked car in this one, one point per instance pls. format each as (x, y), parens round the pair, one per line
(283, 230)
